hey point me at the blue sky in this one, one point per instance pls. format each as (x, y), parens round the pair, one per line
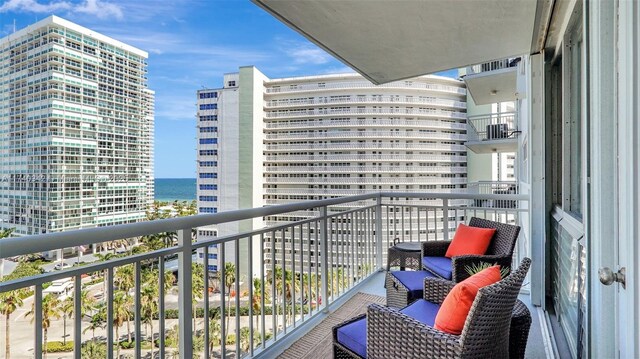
(191, 44)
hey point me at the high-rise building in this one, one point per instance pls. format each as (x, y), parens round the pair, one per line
(268, 141)
(76, 149)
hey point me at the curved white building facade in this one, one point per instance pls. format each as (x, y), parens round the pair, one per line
(339, 135)
(268, 141)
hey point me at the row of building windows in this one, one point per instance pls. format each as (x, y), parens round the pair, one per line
(208, 163)
(209, 118)
(208, 198)
(209, 255)
(208, 187)
(208, 152)
(208, 209)
(208, 94)
(208, 141)
(209, 129)
(212, 268)
(208, 175)
(208, 106)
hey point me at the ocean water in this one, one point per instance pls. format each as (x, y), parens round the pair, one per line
(171, 189)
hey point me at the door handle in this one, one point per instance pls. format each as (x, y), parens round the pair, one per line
(608, 277)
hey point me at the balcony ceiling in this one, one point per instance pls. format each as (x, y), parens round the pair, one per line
(493, 86)
(392, 40)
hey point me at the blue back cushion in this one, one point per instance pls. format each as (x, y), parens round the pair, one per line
(438, 265)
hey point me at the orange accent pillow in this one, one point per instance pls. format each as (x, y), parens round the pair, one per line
(456, 306)
(470, 240)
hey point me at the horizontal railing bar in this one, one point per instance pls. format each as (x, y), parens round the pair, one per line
(359, 209)
(15, 246)
(467, 208)
(233, 237)
(519, 197)
(89, 268)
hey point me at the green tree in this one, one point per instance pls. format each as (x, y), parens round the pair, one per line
(149, 308)
(215, 334)
(9, 302)
(98, 321)
(124, 278)
(229, 281)
(197, 287)
(87, 302)
(66, 307)
(93, 350)
(51, 309)
(122, 304)
(256, 299)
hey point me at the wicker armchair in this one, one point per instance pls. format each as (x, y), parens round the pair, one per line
(391, 333)
(500, 249)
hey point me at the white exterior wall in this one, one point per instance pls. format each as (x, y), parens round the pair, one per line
(77, 130)
(316, 137)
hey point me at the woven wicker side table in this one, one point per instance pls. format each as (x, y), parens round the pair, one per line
(404, 255)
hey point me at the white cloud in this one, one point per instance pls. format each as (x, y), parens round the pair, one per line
(34, 6)
(308, 55)
(97, 8)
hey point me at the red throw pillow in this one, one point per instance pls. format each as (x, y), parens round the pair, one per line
(456, 306)
(470, 240)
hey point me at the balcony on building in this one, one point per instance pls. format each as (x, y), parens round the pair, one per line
(494, 81)
(493, 133)
(494, 187)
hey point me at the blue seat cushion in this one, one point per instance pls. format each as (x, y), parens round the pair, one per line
(354, 335)
(438, 265)
(423, 311)
(413, 280)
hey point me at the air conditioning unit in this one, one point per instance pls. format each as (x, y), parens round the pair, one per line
(496, 131)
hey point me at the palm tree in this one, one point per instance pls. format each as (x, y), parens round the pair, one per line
(9, 302)
(256, 300)
(51, 309)
(149, 307)
(122, 304)
(169, 238)
(229, 281)
(153, 242)
(66, 307)
(197, 288)
(98, 321)
(87, 302)
(125, 281)
(103, 258)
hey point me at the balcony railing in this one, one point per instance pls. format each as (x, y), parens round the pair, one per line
(495, 126)
(494, 187)
(493, 65)
(307, 266)
(365, 99)
(363, 112)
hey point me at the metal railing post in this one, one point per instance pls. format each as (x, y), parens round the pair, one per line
(184, 293)
(37, 308)
(445, 218)
(324, 249)
(379, 232)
